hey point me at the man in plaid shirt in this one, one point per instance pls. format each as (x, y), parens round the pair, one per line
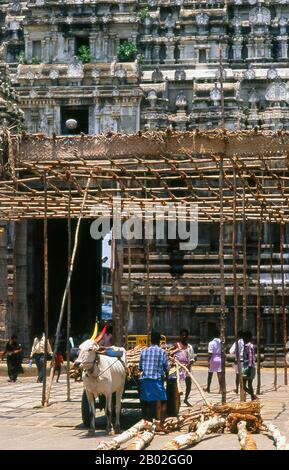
(154, 367)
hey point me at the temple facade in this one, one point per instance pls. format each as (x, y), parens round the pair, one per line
(81, 66)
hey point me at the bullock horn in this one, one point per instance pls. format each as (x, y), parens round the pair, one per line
(94, 335)
(101, 334)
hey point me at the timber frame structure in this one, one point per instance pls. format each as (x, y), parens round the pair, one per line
(156, 167)
(233, 177)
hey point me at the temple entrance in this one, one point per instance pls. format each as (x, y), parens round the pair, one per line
(211, 330)
(86, 279)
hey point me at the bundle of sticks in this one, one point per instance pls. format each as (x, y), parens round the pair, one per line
(231, 412)
(133, 358)
(188, 419)
(250, 412)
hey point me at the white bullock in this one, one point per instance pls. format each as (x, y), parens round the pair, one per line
(102, 375)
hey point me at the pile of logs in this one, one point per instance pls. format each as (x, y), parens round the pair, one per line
(241, 418)
(250, 412)
(133, 358)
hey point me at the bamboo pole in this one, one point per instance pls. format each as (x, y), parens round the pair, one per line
(221, 69)
(194, 380)
(235, 292)
(118, 325)
(129, 293)
(45, 236)
(222, 285)
(283, 301)
(64, 298)
(245, 286)
(68, 325)
(258, 309)
(273, 305)
(148, 307)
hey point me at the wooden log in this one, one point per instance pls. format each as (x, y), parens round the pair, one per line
(130, 433)
(192, 438)
(278, 438)
(142, 441)
(246, 440)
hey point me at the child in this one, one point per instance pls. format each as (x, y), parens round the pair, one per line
(58, 362)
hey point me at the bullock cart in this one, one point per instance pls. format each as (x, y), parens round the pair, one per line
(130, 398)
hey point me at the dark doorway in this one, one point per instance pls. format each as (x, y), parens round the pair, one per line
(211, 330)
(81, 41)
(202, 56)
(86, 280)
(80, 114)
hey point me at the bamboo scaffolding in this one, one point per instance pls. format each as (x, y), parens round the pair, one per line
(68, 325)
(258, 306)
(222, 293)
(149, 175)
(64, 298)
(235, 294)
(283, 302)
(274, 306)
(148, 307)
(46, 298)
(129, 293)
(158, 168)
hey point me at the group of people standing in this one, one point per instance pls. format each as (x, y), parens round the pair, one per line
(247, 363)
(154, 366)
(14, 352)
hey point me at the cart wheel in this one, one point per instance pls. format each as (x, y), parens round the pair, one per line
(85, 413)
(173, 398)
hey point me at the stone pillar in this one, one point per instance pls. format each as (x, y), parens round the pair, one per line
(70, 48)
(54, 52)
(156, 53)
(133, 38)
(283, 44)
(98, 46)
(147, 52)
(46, 50)
(170, 59)
(29, 49)
(92, 45)
(4, 321)
(21, 284)
(250, 47)
(97, 122)
(266, 235)
(237, 50)
(182, 51)
(42, 50)
(268, 328)
(105, 47)
(203, 331)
